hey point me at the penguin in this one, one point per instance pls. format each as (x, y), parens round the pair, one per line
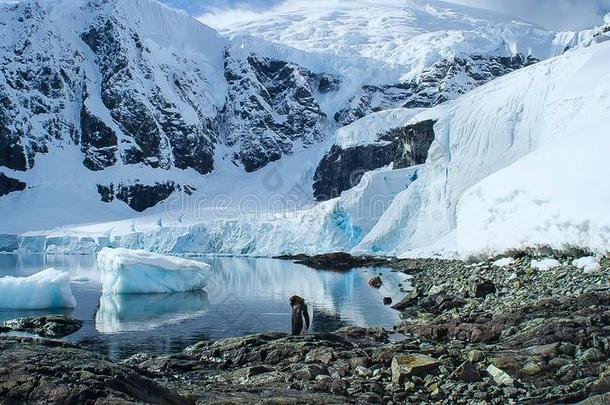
(299, 311)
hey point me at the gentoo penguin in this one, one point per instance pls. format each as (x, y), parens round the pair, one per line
(299, 311)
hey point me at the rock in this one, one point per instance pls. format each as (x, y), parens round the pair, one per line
(335, 261)
(558, 362)
(320, 354)
(532, 368)
(405, 303)
(53, 326)
(140, 196)
(592, 355)
(356, 362)
(247, 372)
(48, 371)
(363, 371)
(406, 365)
(480, 288)
(476, 356)
(602, 399)
(435, 289)
(387, 300)
(341, 169)
(309, 372)
(375, 282)
(467, 372)
(499, 376)
(8, 185)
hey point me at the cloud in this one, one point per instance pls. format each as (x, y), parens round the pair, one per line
(551, 14)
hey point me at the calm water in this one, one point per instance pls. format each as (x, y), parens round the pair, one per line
(243, 296)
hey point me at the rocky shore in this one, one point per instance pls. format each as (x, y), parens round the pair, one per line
(517, 331)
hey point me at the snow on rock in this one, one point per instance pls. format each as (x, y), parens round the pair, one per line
(368, 129)
(589, 264)
(49, 288)
(515, 164)
(139, 271)
(544, 264)
(505, 261)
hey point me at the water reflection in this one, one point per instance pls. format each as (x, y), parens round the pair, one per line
(145, 312)
(244, 295)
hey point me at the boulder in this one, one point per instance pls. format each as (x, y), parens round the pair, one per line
(499, 376)
(53, 326)
(406, 365)
(375, 282)
(467, 372)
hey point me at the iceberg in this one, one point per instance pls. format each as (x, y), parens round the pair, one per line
(49, 288)
(139, 271)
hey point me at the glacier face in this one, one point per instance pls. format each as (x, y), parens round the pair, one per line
(515, 164)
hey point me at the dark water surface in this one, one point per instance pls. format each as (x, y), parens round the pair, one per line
(243, 296)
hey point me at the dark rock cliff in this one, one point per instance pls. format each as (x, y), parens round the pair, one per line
(341, 169)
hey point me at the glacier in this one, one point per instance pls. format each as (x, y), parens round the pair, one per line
(124, 271)
(49, 288)
(515, 165)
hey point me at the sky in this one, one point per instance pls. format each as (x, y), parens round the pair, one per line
(551, 14)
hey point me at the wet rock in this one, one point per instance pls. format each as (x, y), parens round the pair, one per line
(387, 300)
(53, 326)
(375, 282)
(499, 376)
(406, 365)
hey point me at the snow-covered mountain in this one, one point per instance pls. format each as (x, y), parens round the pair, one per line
(519, 163)
(405, 36)
(109, 107)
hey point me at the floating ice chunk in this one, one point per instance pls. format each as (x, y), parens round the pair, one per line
(505, 261)
(143, 312)
(139, 271)
(49, 288)
(545, 264)
(589, 264)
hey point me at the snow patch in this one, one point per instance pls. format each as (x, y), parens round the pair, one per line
(505, 261)
(544, 264)
(589, 264)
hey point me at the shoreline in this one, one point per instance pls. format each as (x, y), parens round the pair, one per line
(471, 333)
